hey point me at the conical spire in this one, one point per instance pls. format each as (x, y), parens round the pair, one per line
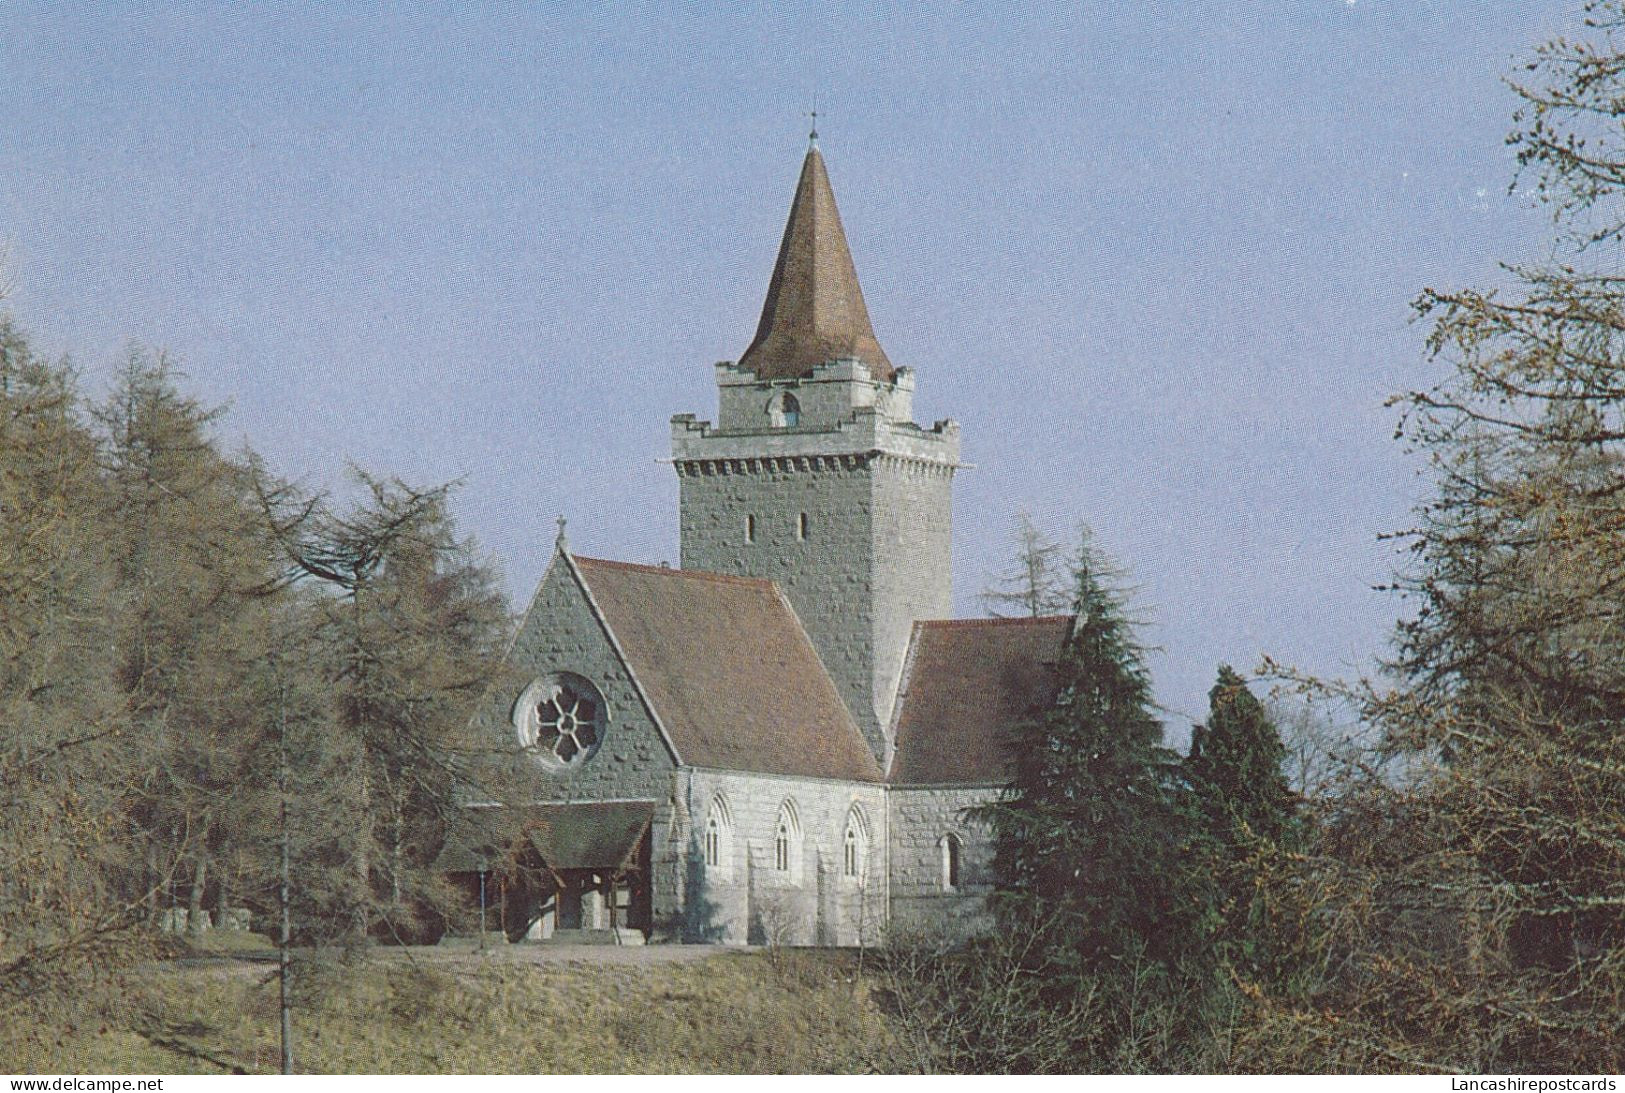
(814, 310)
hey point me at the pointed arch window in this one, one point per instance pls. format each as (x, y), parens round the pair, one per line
(855, 847)
(718, 847)
(952, 866)
(787, 844)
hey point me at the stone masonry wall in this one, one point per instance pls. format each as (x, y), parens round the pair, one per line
(921, 903)
(912, 547)
(746, 899)
(828, 397)
(877, 493)
(826, 576)
(560, 633)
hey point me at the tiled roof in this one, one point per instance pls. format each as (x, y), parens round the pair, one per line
(729, 671)
(814, 310)
(967, 683)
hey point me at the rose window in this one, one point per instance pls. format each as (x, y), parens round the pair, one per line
(561, 720)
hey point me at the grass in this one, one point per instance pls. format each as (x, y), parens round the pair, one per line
(441, 1013)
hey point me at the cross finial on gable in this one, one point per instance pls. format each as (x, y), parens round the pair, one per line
(562, 545)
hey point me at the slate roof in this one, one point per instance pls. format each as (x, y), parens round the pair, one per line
(729, 671)
(814, 310)
(599, 835)
(966, 684)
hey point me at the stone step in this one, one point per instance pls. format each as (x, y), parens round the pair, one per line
(618, 936)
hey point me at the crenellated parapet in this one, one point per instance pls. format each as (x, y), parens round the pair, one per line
(838, 411)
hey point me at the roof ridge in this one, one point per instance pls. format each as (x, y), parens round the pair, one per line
(1022, 621)
(673, 571)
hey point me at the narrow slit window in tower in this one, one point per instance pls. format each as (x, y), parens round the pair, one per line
(750, 529)
(801, 527)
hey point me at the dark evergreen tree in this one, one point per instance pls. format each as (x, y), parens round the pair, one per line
(1087, 831)
(1234, 767)
(1243, 814)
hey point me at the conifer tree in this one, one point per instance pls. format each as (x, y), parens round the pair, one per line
(191, 563)
(1242, 816)
(1234, 767)
(1086, 832)
(71, 860)
(408, 626)
(1037, 582)
(1511, 667)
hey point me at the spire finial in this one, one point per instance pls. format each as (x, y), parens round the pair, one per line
(814, 311)
(812, 137)
(562, 545)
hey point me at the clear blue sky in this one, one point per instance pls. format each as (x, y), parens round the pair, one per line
(1155, 258)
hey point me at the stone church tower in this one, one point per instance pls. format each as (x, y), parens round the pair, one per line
(777, 742)
(815, 475)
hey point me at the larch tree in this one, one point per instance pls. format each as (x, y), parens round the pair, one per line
(192, 565)
(1037, 583)
(1513, 663)
(409, 624)
(71, 853)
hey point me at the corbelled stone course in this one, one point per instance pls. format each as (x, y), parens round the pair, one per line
(854, 522)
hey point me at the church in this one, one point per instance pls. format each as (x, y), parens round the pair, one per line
(776, 742)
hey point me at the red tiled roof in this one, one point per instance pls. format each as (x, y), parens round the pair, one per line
(729, 671)
(814, 310)
(968, 682)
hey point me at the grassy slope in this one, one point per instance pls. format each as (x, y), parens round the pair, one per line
(732, 1013)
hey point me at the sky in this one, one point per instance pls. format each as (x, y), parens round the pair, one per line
(1155, 258)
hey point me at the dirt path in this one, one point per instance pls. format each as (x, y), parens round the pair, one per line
(547, 953)
(465, 958)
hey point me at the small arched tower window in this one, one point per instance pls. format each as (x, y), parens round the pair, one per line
(718, 839)
(787, 843)
(952, 851)
(854, 847)
(784, 411)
